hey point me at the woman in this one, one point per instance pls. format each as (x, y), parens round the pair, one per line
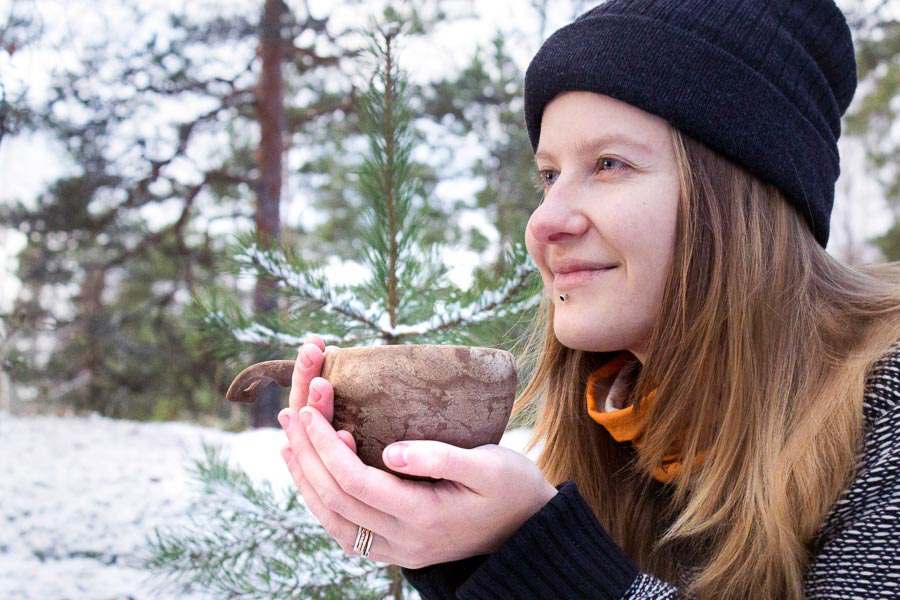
(718, 398)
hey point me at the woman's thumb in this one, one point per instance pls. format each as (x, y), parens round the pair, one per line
(438, 460)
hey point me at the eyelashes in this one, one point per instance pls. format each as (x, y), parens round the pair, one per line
(540, 183)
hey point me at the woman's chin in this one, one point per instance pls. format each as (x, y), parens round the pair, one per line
(572, 336)
(578, 335)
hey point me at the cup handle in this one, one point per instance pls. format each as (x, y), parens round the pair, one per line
(247, 384)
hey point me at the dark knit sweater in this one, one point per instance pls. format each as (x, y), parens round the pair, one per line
(562, 551)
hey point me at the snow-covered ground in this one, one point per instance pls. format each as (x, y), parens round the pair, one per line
(78, 496)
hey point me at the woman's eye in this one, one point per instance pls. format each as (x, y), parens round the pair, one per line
(613, 160)
(540, 181)
(541, 177)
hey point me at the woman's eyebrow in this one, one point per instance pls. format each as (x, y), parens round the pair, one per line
(583, 146)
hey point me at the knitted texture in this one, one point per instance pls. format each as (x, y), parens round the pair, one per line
(764, 83)
(563, 551)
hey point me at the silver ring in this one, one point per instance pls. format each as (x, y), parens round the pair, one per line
(363, 541)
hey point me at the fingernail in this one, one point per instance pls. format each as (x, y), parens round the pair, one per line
(304, 358)
(305, 417)
(314, 395)
(396, 455)
(282, 420)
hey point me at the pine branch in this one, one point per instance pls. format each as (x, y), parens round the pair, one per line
(242, 540)
(519, 293)
(298, 281)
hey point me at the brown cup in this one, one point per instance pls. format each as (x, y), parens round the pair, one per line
(460, 395)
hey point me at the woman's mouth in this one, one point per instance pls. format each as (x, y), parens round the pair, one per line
(575, 278)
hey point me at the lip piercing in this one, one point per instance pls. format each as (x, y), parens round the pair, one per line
(564, 297)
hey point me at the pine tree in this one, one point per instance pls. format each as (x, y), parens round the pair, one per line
(876, 35)
(260, 548)
(116, 246)
(406, 297)
(18, 30)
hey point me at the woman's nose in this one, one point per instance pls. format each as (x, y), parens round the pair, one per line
(555, 221)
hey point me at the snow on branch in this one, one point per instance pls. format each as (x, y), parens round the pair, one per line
(304, 284)
(492, 304)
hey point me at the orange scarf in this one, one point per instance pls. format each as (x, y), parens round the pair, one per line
(626, 424)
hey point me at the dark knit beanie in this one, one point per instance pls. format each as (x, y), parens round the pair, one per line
(763, 82)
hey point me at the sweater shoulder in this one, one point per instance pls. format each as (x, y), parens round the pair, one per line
(882, 388)
(871, 490)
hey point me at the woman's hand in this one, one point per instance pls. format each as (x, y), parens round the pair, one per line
(485, 495)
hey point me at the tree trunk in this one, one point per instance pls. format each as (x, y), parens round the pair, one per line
(92, 359)
(270, 110)
(7, 402)
(396, 577)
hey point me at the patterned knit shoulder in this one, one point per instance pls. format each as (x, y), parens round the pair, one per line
(857, 547)
(883, 384)
(859, 539)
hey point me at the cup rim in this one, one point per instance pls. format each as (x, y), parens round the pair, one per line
(443, 347)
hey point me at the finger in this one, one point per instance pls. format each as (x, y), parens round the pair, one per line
(308, 365)
(332, 495)
(342, 530)
(314, 339)
(347, 438)
(284, 417)
(321, 397)
(473, 467)
(297, 473)
(368, 486)
(321, 394)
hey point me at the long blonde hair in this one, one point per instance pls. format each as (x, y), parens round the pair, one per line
(759, 354)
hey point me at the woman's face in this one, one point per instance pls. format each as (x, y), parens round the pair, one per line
(611, 203)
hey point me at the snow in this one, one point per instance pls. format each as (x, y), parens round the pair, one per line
(79, 495)
(257, 333)
(491, 304)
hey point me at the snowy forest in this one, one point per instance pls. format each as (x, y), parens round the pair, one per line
(190, 187)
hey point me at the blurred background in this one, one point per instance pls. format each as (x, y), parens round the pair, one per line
(134, 147)
(140, 139)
